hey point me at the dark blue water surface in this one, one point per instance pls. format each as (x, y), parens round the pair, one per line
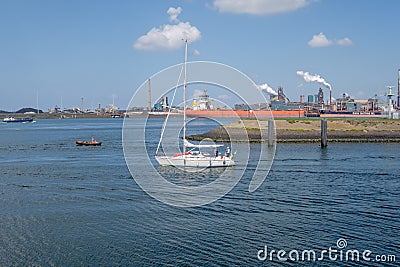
(63, 205)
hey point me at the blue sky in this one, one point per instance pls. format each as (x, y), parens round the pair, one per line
(65, 50)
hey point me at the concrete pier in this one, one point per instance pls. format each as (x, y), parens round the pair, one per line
(324, 133)
(271, 132)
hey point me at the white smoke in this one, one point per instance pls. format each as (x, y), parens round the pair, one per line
(314, 78)
(266, 88)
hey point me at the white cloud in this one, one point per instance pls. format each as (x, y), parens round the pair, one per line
(345, 42)
(168, 36)
(320, 40)
(173, 13)
(259, 7)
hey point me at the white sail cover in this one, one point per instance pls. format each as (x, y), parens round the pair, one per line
(188, 144)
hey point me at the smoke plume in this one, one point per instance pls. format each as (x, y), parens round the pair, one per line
(314, 78)
(266, 88)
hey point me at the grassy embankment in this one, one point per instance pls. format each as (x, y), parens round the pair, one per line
(308, 130)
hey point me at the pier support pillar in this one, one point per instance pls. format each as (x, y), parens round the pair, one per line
(324, 133)
(271, 132)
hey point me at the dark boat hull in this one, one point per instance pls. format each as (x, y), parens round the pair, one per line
(86, 143)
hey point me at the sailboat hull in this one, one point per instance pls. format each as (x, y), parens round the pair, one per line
(196, 161)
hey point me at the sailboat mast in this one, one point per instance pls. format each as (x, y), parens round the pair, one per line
(184, 102)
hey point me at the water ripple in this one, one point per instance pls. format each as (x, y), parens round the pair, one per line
(69, 206)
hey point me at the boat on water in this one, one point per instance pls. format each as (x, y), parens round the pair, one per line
(243, 114)
(93, 142)
(202, 107)
(13, 119)
(222, 113)
(192, 156)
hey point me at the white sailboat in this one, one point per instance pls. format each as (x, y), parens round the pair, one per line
(192, 156)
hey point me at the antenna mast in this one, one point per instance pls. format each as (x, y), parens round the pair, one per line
(184, 103)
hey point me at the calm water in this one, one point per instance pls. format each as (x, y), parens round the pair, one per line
(63, 205)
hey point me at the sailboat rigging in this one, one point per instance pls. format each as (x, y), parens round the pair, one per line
(191, 155)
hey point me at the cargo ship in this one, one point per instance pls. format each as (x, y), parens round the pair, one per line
(202, 107)
(234, 113)
(226, 113)
(278, 107)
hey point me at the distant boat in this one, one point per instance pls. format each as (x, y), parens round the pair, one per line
(88, 143)
(13, 119)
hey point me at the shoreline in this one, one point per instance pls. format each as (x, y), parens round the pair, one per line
(307, 131)
(57, 115)
(289, 130)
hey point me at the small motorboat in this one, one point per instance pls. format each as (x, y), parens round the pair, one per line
(13, 119)
(88, 143)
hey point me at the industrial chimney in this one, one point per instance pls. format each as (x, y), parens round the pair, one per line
(320, 97)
